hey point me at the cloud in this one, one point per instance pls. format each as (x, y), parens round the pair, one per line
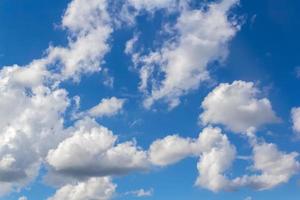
(33, 108)
(84, 55)
(295, 113)
(92, 189)
(90, 28)
(107, 107)
(183, 59)
(216, 154)
(32, 103)
(237, 106)
(23, 198)
(92, 151)
(275, 167)
(141, 193)
(213, 148)
(170, 150)
(216, 158)
(31, 122)
(128, 10)
(151, 4)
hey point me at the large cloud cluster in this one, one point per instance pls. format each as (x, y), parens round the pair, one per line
(86, 155)
(184, 59)
(237, 107)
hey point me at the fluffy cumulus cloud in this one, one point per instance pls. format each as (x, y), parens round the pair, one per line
(183, 60)
(271, 167)
(107, 107)
(31, 122)
(34, 107)
(216, 158)
(89, 26)
(32, 104)
(92, 151)
(296, 119)
(275, 167)
(237, 106)
(213, 148)
(91, 189)
(170, 149)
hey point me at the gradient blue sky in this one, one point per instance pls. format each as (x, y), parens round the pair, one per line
(264, 51)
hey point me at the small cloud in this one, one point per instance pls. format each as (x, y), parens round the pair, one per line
(23, 198)
(248, 198)
(108, 80)
(141, 193)
(107, 107)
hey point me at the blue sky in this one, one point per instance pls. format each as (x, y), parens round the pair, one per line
(145, 99)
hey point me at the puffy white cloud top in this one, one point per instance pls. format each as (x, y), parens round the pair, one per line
(92, 189)
(237, 106)
(92, 151)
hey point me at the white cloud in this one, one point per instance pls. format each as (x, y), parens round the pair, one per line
(32, 106)
(216, 158)
(169, 150)
(237, 106)
(31, 122)
(31, 103)
(151, 4)
(89, 27)
(129, 47)
(83, 55)
(141, 193)
(216, 155)
(92, 151)
(81, 17)
(23, 198)
(275, 167)
(183, 59)
(214, 149)
(92, 189)
(296, 119)
(107, 107)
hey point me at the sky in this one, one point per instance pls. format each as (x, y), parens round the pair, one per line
(149, 99)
